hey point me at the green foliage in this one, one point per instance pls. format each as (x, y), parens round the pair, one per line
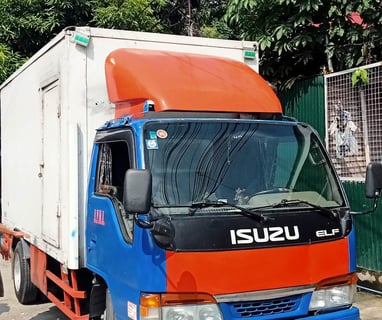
(137, 15)
(210, 21)
(196, 17)
(299, 38)
(9, 61)
(218, 30)
(359, 77)
(26, 25)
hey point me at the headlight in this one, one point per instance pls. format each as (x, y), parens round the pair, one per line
(333, 297)
(335, 292)
(186, 306)
(192, 312)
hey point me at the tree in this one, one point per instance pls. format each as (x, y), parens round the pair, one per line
(9, 61)
(300, 38)
(26, 25)
(136, 15)
(211, 20)
(197, 18)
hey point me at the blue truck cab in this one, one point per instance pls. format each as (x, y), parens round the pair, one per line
(228, 211)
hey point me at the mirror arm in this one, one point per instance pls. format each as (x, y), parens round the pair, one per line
(371, 210)
(142, 223)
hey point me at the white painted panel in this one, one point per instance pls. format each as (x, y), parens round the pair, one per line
(50, 167)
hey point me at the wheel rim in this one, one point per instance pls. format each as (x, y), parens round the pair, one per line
(17, 273)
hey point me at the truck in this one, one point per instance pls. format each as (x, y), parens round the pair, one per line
(158, 179)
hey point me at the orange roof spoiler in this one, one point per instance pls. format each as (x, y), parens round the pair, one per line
(185, 82)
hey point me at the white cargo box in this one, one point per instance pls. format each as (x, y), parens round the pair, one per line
(50, 109)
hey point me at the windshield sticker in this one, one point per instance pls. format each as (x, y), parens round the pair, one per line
(153, 135)
(162, 134)
(152, 144)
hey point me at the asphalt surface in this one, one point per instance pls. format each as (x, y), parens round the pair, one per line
(369, 304)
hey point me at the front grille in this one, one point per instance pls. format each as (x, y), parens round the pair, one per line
(265, 307)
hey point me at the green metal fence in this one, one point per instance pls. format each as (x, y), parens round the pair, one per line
(306, 102)
(368, 228)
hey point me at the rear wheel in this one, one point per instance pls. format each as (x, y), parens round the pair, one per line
(25, 290)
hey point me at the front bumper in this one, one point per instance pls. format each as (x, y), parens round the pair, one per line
(348, 314)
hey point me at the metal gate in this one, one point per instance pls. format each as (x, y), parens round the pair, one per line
(353, 119)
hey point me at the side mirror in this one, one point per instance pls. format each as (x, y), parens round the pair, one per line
(373, 185)
(373, 180)
(137, 191)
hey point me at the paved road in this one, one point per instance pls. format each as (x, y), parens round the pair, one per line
(10, 309)
(370, 305)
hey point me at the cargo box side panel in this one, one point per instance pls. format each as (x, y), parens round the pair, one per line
(21, 151)
(39, 152)
(22, 145)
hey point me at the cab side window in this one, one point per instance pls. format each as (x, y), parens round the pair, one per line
(113, 161)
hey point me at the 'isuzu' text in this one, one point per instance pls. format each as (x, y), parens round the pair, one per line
(271, 234)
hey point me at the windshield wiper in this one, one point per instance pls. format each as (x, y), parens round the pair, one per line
(218, 203)
(254, 212)
(330, 213)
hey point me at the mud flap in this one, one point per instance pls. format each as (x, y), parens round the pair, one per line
(97, 300)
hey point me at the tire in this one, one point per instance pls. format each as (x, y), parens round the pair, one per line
(109, 310)
(26, 292)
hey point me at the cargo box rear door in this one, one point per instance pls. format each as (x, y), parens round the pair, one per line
(51, 174)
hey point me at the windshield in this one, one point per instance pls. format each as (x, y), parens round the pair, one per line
(251, 164)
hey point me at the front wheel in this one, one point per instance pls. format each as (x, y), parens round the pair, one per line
(25, 290)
